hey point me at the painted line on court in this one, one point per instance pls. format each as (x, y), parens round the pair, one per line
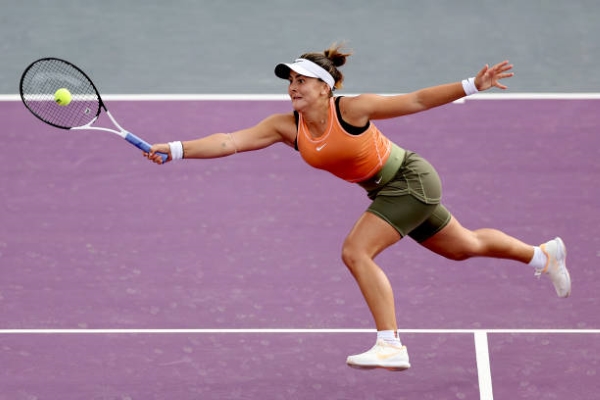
(285, 97)
(292, 331)
(484, 373)
(482, 355)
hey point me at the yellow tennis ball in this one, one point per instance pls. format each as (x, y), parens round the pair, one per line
(62, 97)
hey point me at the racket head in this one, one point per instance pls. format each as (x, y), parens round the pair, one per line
(39, 83)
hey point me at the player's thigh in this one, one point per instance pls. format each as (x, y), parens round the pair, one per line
(389, 218)
(409, 216)
(453, 241)
(370, 235)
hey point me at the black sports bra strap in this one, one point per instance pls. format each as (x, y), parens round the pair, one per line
(351, 129)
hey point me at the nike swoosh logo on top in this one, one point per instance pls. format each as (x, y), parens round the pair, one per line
(319, 148)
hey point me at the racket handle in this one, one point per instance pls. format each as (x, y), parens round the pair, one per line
(143, 145)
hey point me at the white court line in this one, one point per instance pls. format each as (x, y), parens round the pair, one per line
(290, 331)
(484, 373)
(281, 97)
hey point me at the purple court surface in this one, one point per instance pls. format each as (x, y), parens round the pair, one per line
(222, 279)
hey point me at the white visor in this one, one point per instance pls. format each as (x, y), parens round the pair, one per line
(305, 67)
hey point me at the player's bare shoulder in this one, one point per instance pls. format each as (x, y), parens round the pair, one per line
(356, 110)
(285, 125)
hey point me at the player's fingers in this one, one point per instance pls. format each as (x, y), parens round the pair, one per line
(483, 70)
(156, 158)
(152, 156)
(501, 65)
(159, 148)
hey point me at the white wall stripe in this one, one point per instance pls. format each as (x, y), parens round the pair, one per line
(284, 97)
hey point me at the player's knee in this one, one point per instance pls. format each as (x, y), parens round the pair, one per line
(468, 246)
(348, 255)
(457, 255)
(351, 256)
(466, 250)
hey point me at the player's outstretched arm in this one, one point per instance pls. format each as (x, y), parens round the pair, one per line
(273, 129)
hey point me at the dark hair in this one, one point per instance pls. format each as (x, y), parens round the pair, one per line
(330, 59)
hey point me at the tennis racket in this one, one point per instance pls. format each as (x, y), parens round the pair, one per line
(41, 81)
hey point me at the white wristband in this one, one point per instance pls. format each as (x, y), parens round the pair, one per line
(469, 86)
(176, 149)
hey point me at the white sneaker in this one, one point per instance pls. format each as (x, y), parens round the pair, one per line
(382, 355)
(556, 266)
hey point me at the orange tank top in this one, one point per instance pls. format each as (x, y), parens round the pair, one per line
(354, 158)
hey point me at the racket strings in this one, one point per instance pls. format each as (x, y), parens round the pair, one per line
(40, 83)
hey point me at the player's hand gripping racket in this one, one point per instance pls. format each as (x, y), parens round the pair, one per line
(50, 81)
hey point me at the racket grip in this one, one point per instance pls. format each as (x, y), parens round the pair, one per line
(143, 145)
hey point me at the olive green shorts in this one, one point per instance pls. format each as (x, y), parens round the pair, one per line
(410, 201)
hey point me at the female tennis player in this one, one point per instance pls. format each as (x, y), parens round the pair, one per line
(336, 134)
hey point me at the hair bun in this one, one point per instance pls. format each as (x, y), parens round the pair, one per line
(330, 59)
(335, 54)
